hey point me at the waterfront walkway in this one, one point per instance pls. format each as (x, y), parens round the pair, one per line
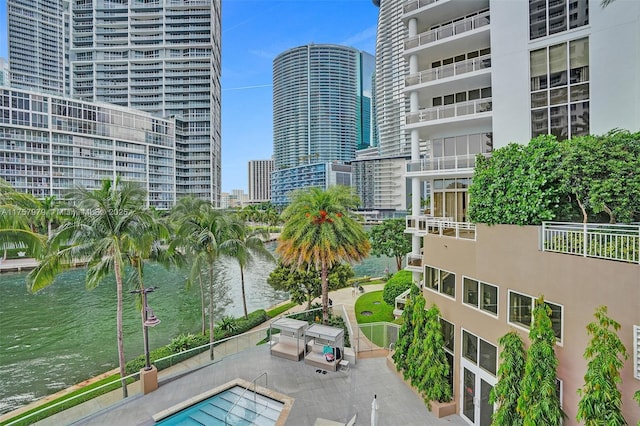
(335, 395)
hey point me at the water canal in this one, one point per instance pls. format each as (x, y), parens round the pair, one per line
(66, 334)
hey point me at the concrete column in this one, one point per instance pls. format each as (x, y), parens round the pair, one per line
(413, 64)
(149, 380)
(413, 27)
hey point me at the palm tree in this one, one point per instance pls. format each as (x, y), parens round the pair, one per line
(16, 209)
(242, 246)
(319, 231)
(49, 212)
(203, 233)
(104, 229)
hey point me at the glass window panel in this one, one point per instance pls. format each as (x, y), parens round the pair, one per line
(579, 60)
(558, 65)
(470, 346)
(449, 183)
(438, 204)
(578, 13)
(470, 291)
(472, 55)
(461, 145)
(559, 125)
(448, 332)
(438, 184)
(468, 399)
(580, 119)
(485, 92)
(461, 97)
(450, 375)
(474, 94)
(437, 148)
(449, 99)
(488, 142)
(485, 51)
(539, 99)
(431, 277)
(488, 356)
(475, 144)
(558, 96)
(557, 16)
(537, 19)
(538, 69)
(556, 319)
(448, 281)
(436, 101)
(449, 147)
(539, 122)
(520, 309)
(489, 298)
(579, 92)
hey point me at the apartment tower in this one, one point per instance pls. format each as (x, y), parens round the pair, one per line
(479, 75)
(260, 180)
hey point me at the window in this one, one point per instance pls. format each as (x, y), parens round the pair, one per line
(448, 331)
(480, 352)
(548, 17)
(480, 295)
(440, 281)
(636, 351)
(521, 309)
(560, 89)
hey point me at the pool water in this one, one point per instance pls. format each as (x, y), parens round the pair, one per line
(261, 411)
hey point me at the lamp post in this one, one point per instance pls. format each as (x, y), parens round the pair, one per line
(149, 320)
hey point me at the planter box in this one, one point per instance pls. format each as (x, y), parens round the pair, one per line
(439, 409)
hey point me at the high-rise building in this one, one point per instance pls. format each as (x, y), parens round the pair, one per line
(159, 57)
(260, 180)
(49, 144)
(321, 112)
(36, 45)
(479, 75)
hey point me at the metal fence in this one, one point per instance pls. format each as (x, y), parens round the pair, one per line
(379, 335)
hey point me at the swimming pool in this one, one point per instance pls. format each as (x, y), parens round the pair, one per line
(238, 406)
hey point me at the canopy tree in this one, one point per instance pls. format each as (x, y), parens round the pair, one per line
(389, 239)
(107, 225)
(319, 231)
(303, 284)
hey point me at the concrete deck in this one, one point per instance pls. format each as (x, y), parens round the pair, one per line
(334, 395)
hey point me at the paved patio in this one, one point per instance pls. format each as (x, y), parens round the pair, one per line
(334, 395)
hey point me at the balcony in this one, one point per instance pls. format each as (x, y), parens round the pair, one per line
(412, 5)
(449, 70)
(454, 165)
(461, 109)
(602, 241)
(414, 262)
(448, 30)
(442, 226)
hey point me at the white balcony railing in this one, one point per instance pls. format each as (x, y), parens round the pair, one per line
(442, 226)
(450, 111)
(441, 164)
(449, 70)
(414, 261)
(448, 30)
(603, 241)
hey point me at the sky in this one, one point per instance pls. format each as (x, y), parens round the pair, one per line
(254, 32)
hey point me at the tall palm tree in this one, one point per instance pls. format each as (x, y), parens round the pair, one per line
(104, 228)
(242, 246)
(205, 232)
(319, 230)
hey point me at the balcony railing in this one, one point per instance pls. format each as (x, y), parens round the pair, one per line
(440, 164)
(449, 70)
(412, 5)
(449, 111)
(442, 226)
(603, 241)
(414, 261)
(448, 30)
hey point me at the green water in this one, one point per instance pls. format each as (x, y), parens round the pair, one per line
(66, 334)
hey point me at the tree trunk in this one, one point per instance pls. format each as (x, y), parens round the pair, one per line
(121, 361)
(244, 297)
(612, 217)
(399, 263)
(203, 316)
(582, 208)
(325, 293)
(211, 329)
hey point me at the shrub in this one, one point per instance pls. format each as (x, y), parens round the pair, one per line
(401, 281)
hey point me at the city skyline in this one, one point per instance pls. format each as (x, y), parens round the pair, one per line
(249, 45)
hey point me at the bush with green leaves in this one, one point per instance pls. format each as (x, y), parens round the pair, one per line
(507, 391)
(405, 335)
(400, 282)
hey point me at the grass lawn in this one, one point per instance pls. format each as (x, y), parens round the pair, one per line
(373, 302)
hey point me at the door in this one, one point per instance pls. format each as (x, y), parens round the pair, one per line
(476, 388)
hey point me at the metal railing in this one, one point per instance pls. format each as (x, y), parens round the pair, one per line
(603, 241)
(380, 335)
(449, 70)
(459, 109)
(414, 260)
(442, 226)
(255, 399)
(438, 164)
(448, 30)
